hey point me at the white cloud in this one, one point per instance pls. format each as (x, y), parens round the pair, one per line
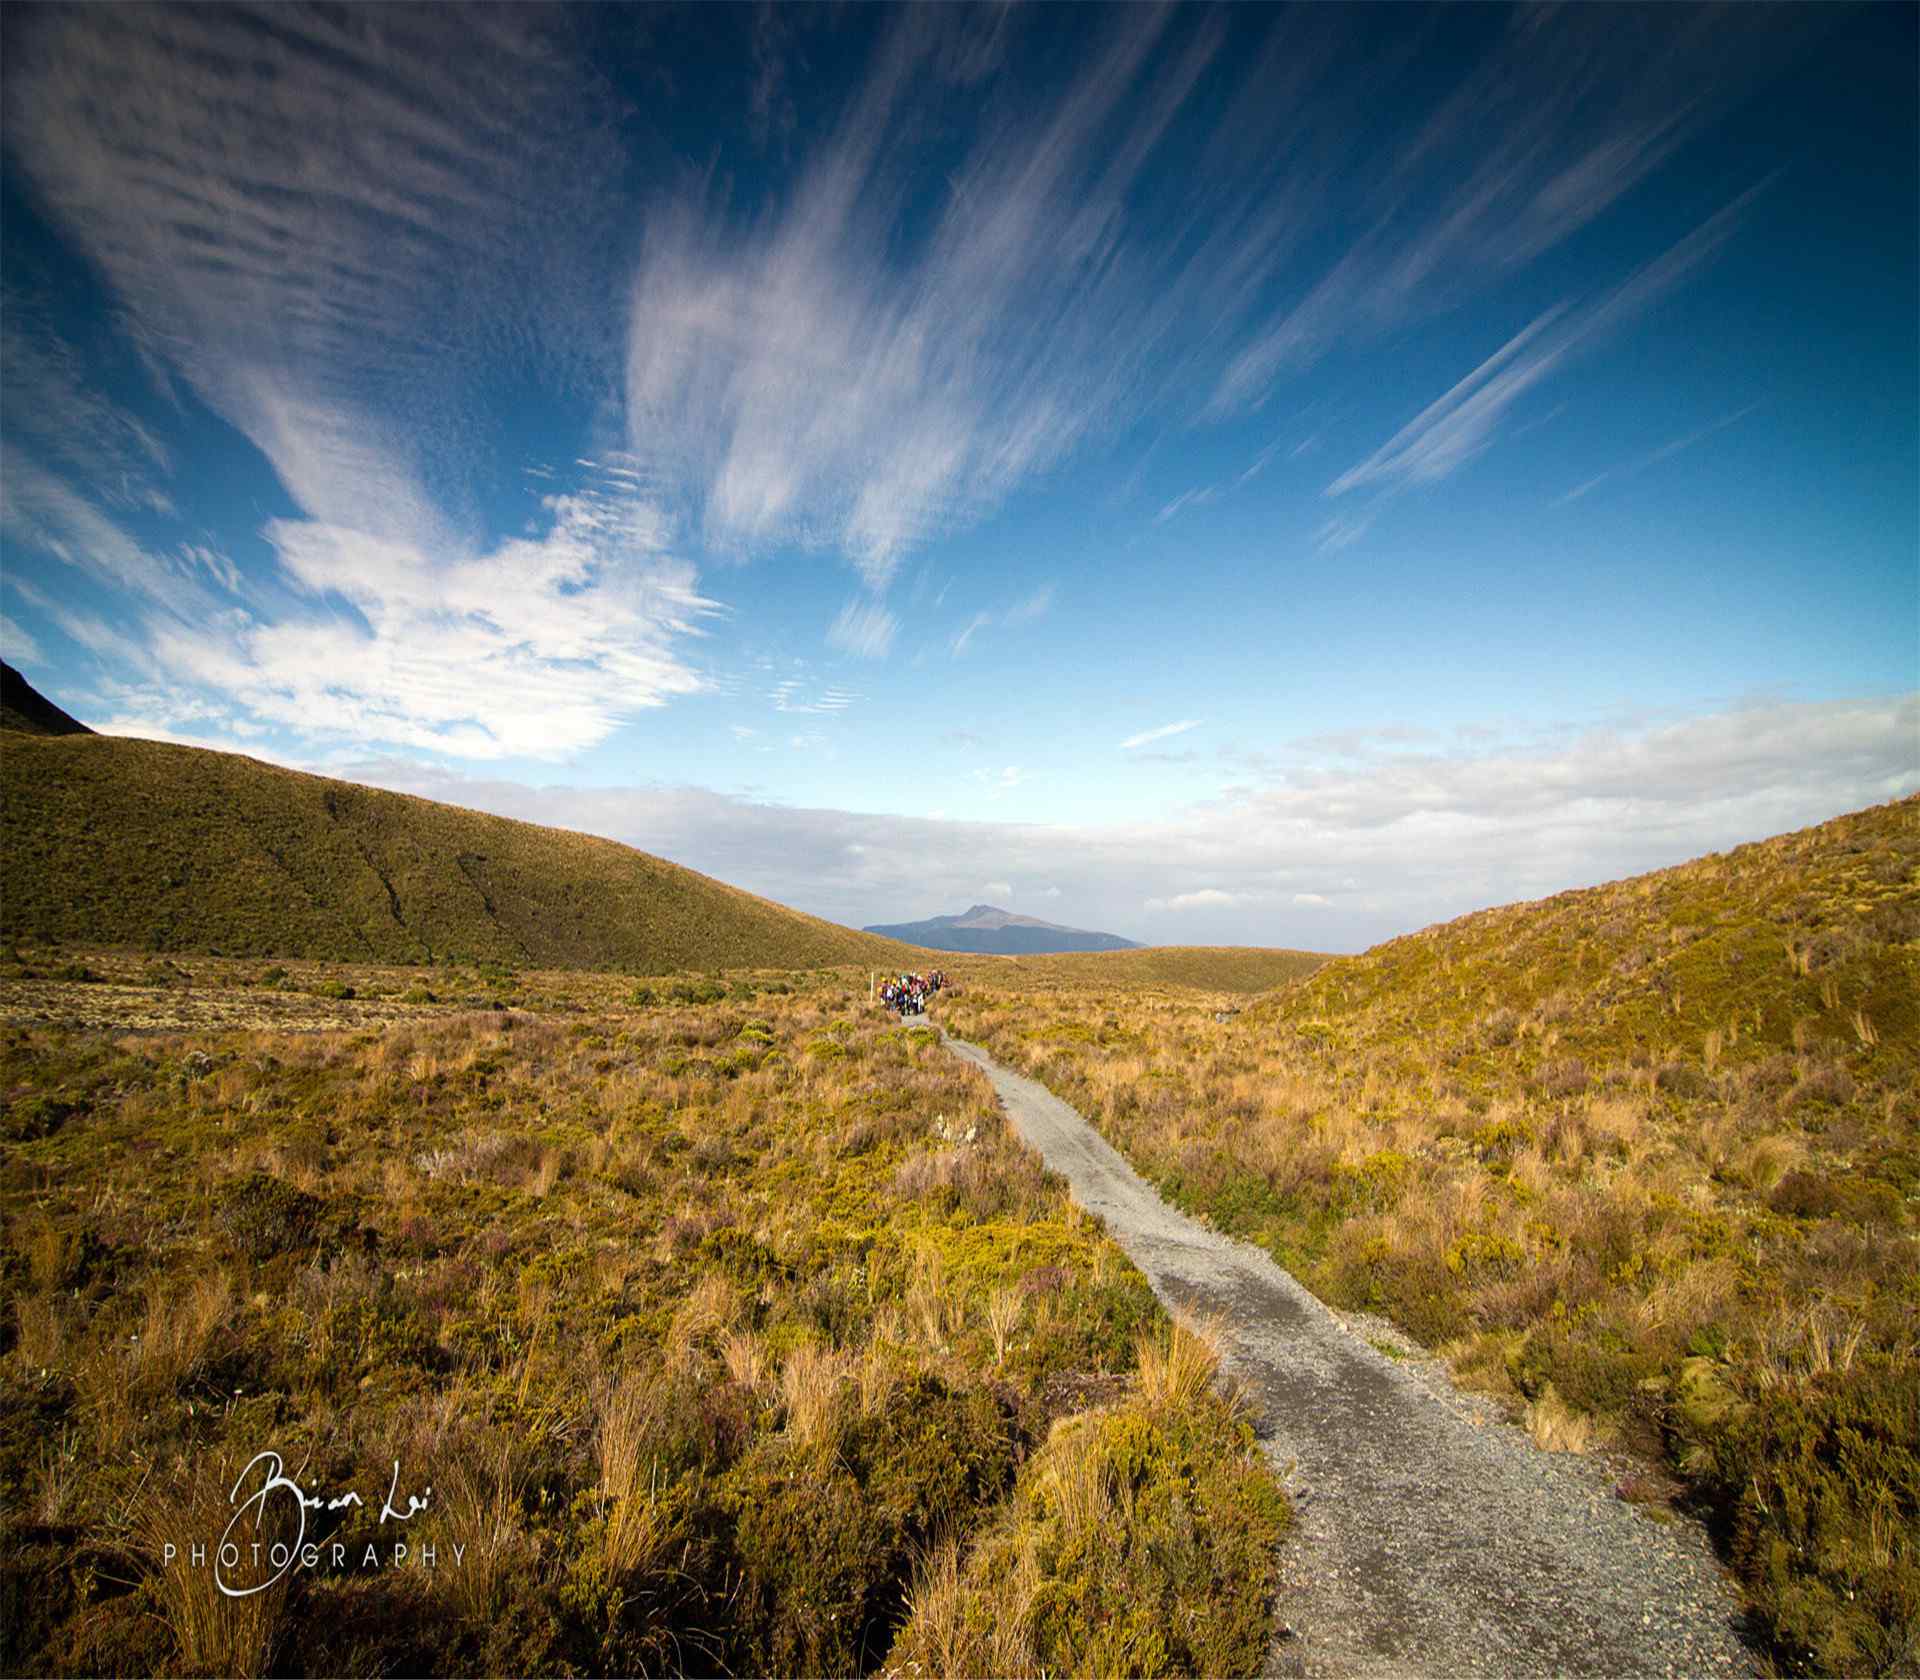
(997, 889)
(1309, 900)
(1160, 734)
(1408, 839)
(1002, 780)
(16, 646)
(864, 628)
(1206, 898)
(539, 648)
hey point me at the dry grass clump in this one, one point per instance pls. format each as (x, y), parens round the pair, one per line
(1089, 1570)
(1554, 1426)
(1176, 1369)
(213, 1631)
(638, 1530)
(482, 1521)
(955, 1629)
(814, 1387)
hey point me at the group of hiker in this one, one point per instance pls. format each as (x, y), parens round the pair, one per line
(908, 994)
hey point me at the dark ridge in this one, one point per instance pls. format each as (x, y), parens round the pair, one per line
(25, 709)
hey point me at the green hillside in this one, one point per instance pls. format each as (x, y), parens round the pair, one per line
(1213, 968)
(1804, 943)
(113, 842)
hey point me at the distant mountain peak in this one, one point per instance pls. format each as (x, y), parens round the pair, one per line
(992, 931)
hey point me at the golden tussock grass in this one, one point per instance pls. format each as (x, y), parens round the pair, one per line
(214, 1632)
(1176, 1369)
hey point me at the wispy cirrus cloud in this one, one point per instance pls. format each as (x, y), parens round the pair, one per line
(60, 412)
(1029, 610)
(798, 392)
(911, 313)
(43, 511)
(1199, 496)
(797, 694)
(863, 628)
(1032, 609)
(16, 646)
(278, 196)
(1666, 451)
(1459, 425)
(1560, 118)
(1162, 733)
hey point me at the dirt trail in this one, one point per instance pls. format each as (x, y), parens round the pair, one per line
(1433, 1538)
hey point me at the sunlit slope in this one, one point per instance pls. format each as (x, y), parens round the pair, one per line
(1213, 968)
(1804, 943)
(136, 843)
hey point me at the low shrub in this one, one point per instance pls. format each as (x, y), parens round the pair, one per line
(262, 1216)
(1816, 1483)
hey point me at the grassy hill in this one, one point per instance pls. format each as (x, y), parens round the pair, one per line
(1213, 968)
(1642, 1160)
(111, 842)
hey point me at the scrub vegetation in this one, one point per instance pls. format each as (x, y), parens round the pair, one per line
(1212, 968)
(727, 1323)
(1642, 1160)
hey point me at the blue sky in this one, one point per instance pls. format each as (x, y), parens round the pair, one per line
(1239, 475)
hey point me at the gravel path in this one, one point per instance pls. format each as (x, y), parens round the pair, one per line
(1433, 1537)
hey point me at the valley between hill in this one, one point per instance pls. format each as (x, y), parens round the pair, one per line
(754, 1340)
